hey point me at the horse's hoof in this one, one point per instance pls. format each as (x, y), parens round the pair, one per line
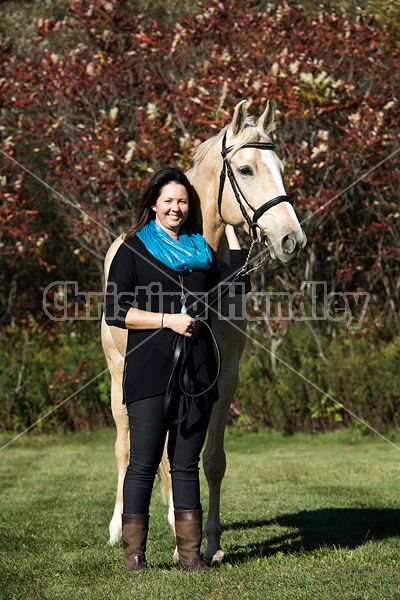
(217, 558)
(175, 558)
(115, 527)
(115, 536)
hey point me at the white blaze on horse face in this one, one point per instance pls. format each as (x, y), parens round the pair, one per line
(269, 160)
(280, 224)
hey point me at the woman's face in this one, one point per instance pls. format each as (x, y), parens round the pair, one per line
(172, 207)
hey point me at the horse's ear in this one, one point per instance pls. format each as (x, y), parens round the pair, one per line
(239, 117)
(266, 120)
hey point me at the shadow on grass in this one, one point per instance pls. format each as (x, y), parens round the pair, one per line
(329, 527)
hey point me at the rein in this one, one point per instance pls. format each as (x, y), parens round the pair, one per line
(183, 347)
(257, 212)
(182, 351)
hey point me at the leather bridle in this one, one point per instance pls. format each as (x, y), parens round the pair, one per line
(257, 212)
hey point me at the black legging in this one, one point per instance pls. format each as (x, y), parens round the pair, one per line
(148, 430)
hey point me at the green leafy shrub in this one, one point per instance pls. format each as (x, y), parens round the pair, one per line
(63, 372)
(307, 392)
(42, 370)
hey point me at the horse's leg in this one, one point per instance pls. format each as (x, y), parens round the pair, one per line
(166, 492)
(121, 453)
(113, 346)
(232, 344)
(122, 443)
(214, 463)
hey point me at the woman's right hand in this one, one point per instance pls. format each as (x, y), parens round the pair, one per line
(180, 323)
(233, 242)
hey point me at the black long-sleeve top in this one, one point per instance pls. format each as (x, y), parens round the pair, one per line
(137, 279)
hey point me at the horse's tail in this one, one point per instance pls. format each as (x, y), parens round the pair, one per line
(164, 475)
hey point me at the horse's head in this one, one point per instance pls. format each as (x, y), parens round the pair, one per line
(252, 193)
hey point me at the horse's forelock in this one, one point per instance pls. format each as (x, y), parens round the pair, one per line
(249, 134)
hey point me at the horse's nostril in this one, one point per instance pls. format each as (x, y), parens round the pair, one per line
(288, 243)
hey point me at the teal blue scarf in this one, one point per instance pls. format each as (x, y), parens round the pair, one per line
(192, 251)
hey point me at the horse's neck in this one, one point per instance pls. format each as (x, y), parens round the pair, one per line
(206, 182)
(214, 232)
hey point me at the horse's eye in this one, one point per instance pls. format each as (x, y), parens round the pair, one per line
(246, 171)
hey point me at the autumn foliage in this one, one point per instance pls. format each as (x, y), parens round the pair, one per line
(107, 96)
(123, 95)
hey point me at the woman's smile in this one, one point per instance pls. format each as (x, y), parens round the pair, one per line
(172, 208)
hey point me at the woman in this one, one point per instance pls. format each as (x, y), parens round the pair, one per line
(158, 284)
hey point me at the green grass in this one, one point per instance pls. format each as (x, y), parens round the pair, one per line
(304, 517)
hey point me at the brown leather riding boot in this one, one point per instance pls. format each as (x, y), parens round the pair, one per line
(134, 535)
(188, 527)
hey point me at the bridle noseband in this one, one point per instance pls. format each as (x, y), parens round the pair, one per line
(257, 212)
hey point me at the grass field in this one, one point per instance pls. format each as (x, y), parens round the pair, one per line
(304, 517)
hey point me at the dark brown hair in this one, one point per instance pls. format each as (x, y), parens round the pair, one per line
(144, 212)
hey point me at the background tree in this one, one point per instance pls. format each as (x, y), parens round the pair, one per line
(94, 100)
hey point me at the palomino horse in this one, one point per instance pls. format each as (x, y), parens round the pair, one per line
(253, 194)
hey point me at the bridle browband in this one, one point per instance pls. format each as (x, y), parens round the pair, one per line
(257, 212)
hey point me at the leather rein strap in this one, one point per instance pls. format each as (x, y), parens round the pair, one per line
(257, 212)
(179, 374)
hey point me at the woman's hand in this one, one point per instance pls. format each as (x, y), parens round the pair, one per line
(180, 323)
(231, 236)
